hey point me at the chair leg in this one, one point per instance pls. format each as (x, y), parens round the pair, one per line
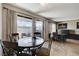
(28, 51)
(33, 52)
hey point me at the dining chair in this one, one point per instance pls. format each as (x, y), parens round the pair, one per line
(45, 49)
(37, 34)
(4, 52)
(55, 36)
(14, 37)
(8, 48)
(23, 35)
(11, 49)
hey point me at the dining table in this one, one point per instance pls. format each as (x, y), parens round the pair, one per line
(30, 42)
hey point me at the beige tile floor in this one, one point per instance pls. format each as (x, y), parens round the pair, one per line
(64, 49)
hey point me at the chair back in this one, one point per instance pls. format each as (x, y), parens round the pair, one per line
(45, 49)
(1, 43)
(23, 35)
(55, 36)
(14, 37)
(47, 44)
(2, 47)
(37, 34)
(9, 48)
(8, 44)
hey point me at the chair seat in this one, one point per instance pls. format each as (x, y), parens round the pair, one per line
(43, 52)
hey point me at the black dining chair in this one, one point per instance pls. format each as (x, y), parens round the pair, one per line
(23, 35)
(14, 37)
(4, 50)
(8, 48)
(45, 49)
(55, 36)
(11, 49)
(37, 34)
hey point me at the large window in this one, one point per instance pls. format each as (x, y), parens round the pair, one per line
(24, 26)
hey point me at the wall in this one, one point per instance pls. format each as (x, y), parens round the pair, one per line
(0, 21)
(72, 25)
(0, 27)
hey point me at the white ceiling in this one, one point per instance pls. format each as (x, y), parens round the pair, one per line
(54, 11)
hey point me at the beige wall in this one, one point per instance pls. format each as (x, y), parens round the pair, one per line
(72, 25)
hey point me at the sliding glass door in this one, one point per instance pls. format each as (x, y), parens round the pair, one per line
(24, 26)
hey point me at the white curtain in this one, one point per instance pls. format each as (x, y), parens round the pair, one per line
(8, 23)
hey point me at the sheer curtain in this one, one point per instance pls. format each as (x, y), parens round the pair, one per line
(46, 29)
(8, 23)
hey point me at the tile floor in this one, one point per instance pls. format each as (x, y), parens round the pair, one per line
(64, 49)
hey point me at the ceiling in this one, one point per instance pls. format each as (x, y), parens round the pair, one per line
(54, 11)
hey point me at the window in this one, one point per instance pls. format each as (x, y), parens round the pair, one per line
(24, 26)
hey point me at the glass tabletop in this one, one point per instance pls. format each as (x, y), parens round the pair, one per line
(30, 42)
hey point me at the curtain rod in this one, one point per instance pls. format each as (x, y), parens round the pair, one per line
(24, 16)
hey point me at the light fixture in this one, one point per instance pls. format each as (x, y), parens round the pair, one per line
(43, 4)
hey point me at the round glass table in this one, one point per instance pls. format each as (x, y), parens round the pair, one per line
(30, 42)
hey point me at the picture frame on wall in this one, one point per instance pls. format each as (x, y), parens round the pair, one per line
(62, 26)
(77, 25)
